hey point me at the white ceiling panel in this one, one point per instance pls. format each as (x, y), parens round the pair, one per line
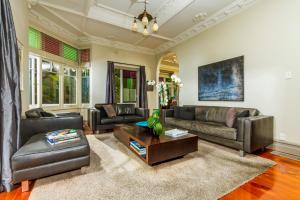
(111, 19)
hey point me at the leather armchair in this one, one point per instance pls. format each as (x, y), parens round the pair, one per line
(36, 158)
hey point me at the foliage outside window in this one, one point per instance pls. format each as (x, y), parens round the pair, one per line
(69, 86)
(85, 86)
(50, 83)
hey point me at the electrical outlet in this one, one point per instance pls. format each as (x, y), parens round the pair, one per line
(282, 136)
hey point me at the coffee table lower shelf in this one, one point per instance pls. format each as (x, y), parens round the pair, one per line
(158, 149)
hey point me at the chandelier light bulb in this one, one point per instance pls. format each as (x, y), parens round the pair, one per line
(155, 27)
(145, 20)
(145, 33)
(134, 26)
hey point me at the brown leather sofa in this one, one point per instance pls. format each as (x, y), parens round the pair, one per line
(250, 132)
(126, 113)
(36, 158)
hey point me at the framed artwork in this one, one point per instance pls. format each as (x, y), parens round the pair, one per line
(222, 81)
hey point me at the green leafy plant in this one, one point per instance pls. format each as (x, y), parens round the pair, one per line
(154, 123)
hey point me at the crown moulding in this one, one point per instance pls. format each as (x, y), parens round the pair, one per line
(47, 24)
(225, 13)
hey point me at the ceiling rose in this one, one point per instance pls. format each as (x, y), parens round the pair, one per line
(145, 18)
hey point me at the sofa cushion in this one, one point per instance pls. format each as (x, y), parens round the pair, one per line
(133, 118)
(110, 111)
(244, 113)
(115, 120)
(186, 112)
(125, 109)
(214, 129)
(37, 151)
(180, 123)
(201, 113)
(217, 114)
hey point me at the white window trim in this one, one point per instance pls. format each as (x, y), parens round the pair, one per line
(61, 105)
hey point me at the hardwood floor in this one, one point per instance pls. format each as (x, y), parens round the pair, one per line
(281, 182)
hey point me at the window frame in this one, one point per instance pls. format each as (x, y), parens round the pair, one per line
(61, 105)
(137, 70)
(76, 85)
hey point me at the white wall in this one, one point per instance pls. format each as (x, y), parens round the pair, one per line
(20, 15)
(268, 35)
(99, 57)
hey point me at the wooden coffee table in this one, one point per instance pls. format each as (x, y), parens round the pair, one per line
(158, 149)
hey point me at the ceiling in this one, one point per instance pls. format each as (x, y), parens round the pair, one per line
(108, 22)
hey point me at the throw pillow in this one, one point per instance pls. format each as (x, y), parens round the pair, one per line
(177, 112)
(47, 114)
(34, 113)
(245, 113)
(187, 113)
(231, 117)
(110, 111)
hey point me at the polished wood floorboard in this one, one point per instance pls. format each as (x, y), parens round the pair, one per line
(281, 182)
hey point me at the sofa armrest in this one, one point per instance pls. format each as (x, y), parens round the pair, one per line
(143, 112)
(94, 118)
(257, 132)
(32, 126)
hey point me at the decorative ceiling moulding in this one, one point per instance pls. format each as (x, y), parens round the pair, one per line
(49, 25)
(115, 44)
(225, 13)
(170, 9)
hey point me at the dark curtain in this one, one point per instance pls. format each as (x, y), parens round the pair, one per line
(10, 102)
(110, 83)
(143, 102)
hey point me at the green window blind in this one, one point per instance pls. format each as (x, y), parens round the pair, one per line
(35, 38)
(70, 53)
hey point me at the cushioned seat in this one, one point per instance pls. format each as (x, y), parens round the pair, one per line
(114, 120)
(181, 123)
(37, 151)
(133, 118)
(209, 128)
(215, 129)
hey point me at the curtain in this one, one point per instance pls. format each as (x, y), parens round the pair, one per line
(10, 102)
(143, 102)
(110, 83)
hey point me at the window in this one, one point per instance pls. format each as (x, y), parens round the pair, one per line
(69, 86)
(33, 78)
(50, 83)
(70, 53)
(85, 86)
(34, 38)
(126, 85)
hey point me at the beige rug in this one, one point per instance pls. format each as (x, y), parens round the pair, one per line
(116, 173)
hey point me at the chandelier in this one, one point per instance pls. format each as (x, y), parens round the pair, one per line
(145, 18)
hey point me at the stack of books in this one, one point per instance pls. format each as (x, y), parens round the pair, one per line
(62, 136)
(141, 150)
(176, 133)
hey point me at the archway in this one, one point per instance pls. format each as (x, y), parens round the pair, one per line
(167, 66)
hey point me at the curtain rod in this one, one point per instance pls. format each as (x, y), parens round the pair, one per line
(124, 63)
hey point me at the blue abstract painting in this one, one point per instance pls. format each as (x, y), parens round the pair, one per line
(222, 81)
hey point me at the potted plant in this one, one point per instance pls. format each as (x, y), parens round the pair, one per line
(154, 123)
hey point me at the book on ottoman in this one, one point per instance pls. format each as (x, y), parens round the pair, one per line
(61, 136)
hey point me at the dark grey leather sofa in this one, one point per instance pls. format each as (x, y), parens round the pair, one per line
(36, 158)
(247, 135)
(126, 113)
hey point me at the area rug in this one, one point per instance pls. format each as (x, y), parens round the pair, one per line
(116, 173)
